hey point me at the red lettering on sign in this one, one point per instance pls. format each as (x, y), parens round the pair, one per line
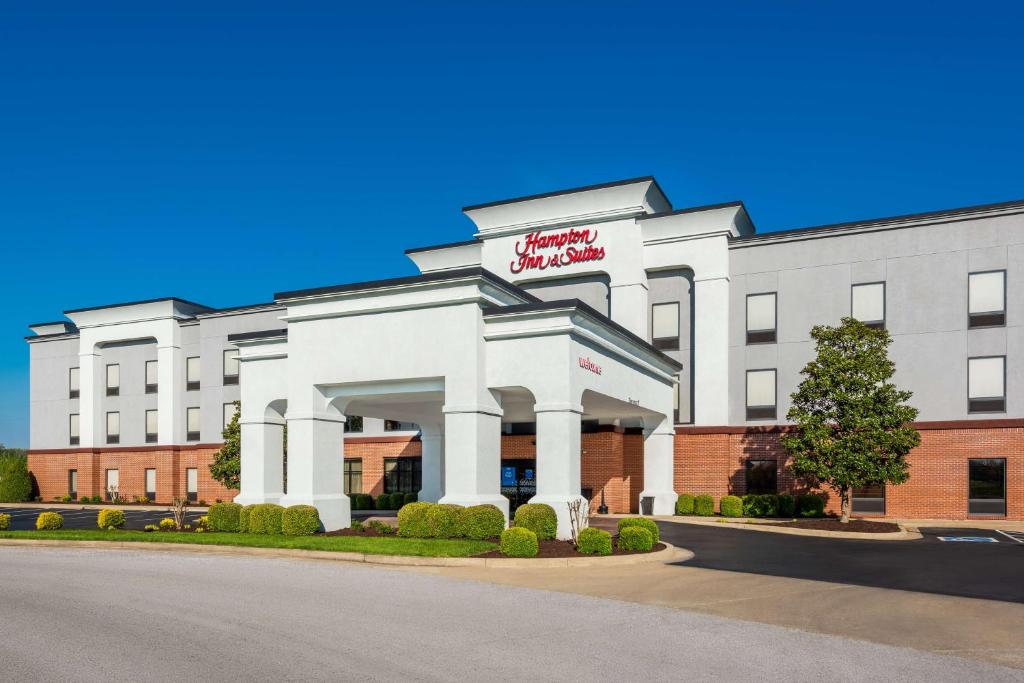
(571, 246)
(590, 365)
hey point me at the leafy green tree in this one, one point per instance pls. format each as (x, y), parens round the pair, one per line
(227, 462)
(15, 480)
(852, 424)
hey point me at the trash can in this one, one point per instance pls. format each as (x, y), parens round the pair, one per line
(647, 505)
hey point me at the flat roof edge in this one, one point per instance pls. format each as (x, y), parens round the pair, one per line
(138, 303)
(571, 190)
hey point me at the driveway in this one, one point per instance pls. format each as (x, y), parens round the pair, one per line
(80, 518)
(88, 615)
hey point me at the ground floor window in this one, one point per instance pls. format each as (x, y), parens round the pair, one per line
(869, 499)
(192, 484)
(151, 483)
(73, 483)
(761, 476)
(113, 483)
(353, 476)
(402, 475)
(986, 487)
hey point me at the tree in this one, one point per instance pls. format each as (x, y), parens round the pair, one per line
(852, 424)
(227, 462)
(15, 480)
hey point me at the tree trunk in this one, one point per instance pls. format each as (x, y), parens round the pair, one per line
(844, 498)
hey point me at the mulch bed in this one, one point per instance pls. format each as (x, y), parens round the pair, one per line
(365, 531)
(567, 549)
(862, 526)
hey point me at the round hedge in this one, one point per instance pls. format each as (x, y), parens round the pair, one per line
(684, 504)
(412, 520)
(704, 506)
(538, 518)
(593, 541)
(110, 518)
(518, 541)
(265, 518)
(643, 523)
(224, 516)
(635, 538)
(409, 498)
(731, 506)
(478, 522)
(300, 520)
(5, 521)
(443, 520)
(15, 480)
(49, 521)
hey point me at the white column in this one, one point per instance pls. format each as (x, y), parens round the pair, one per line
(432, 462)
(558, 462)
(262, 461)
(472, 457)
(629, 307)
(658, 468)
(316, 452)
(711, 352)
(91, 428)
(170, 369)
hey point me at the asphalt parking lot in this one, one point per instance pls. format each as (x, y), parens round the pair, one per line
(85, 518)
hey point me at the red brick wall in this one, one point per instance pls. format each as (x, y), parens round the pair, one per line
(372, 451)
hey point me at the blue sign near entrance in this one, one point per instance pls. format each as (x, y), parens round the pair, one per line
(508, 476)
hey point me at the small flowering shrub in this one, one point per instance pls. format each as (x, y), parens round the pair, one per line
(111, 518)
(167, 524)
(150, 527)
(49, 521)
(5, 521)
(66, 498)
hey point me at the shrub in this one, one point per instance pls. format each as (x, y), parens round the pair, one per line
(761, 505)
(481, 521)
(538, 518)
(168, 524)
(382, 528)
(730, 506)
(684, 504)
(362, 501)
(142, 500)
(390, 501)
(409, 498)
(643, 523)
(356, 525)
(224, 516)
(265, 518)
(787, 505)
(5, 521)
(300, 520)
(592, 541)
(704, 506)
(202, 503)
(150, 527)
(443, 520)
(49, 521)
(412, 520)
(203, 523)
(15, 481)
(66, 498)
(243, 519)
(635, 538)
(518, 541)
(810, 505)
(111, 517)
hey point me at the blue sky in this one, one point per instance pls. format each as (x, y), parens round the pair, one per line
(221, 152)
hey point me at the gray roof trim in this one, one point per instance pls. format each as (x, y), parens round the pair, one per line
(137, 303)
(449, 245)
(261, 334)
(572, 190)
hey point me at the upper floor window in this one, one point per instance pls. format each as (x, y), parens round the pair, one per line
(761, 318)
(229, 413)
(192, 373)
(392, 425)
(230, 366)
(73, 388)
(113, 427)
(665, 326)
(867, 303)
(353, 424)
(986, 299)
(761, 394)
(986, 384)
(113, 380)
(192, 424)
(152, 379)
(151, 426)
(73, 429)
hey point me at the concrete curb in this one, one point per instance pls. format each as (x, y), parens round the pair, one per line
(669, 554)
(906, 533)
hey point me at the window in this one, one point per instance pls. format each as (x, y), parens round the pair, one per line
(760, 394)
(229, 413)
(113, 427)
(192, 373)
(73, 483)
(230, 366)
(113, 380)
(192, 424)
(761, 310)
(73, 429)
(151, 426)
(192, 484)
(392, 425)
(73, 388)
(353, 476)
(151, 484)
(675, 398)
(401, 475)
(665, 326)
(986, 299)
(353, 424)
(113, 483)
(986, 487)
(986, 384)
(869, 499)
(761, 476)
(152, 379)
(867, 303)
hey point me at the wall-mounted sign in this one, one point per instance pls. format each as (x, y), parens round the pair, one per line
(542, 250)
(590, 366)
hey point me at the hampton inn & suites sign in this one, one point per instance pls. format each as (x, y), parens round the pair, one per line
(542, 250)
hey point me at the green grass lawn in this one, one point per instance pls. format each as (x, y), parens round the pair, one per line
(386, 545)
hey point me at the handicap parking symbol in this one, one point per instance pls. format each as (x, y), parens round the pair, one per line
(968, 539)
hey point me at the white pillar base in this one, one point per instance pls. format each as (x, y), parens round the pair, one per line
(243, 499)
(466, 500)
(664, 502)
(335, 509)
(560, 504)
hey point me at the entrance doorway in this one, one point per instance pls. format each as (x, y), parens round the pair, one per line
(518, 482)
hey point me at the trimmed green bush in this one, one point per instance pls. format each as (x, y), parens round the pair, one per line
(265, 518)
(810, 505)
(518, 541)
(443, 520)
(704, 506)
(300, 520)
(224, 516)
(730, 506)
(5, 521)
(787, 505)
(684, 504)
(410, 498)
(49, 521)
(412, 520)
(481, 521)
(761, 505)
(111, 517)
(538, 518)
(635, 538)
(15, 481)
(593, 541)
(392, 501)
(243, 519)
(643, 523)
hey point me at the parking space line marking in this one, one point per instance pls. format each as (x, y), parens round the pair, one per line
(1009, 536)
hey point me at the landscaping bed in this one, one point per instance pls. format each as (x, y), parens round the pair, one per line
(567, 549)
(862, 526)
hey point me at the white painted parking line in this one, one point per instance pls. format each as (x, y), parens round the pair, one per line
(1017, 536)
(968, 539)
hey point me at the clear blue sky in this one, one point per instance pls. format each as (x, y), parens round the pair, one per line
(223, 152)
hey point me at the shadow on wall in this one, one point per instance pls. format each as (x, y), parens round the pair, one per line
(762, 443)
